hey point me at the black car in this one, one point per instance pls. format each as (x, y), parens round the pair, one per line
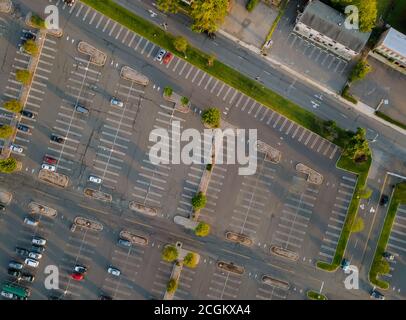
(57, 138)
(384, 200)
(377, 295)
(23, 128)
(28, 35)
(22, 252)
(27, 114)
(37, 249)
(69, 3)
(15, 273)
(27, 277)
(211, 35)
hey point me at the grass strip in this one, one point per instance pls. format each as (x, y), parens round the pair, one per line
(219, 70)
(389, 119)
(276, 21)
(398, 198)
(361, 170)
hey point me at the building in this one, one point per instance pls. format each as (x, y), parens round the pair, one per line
(325, 26)
(392, 46)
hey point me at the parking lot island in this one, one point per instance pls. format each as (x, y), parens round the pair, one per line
(180, 102)
(312, 175)
(141, 208)
(36, 208)
(5, 197)
(284, 253)
(98, 195)
(275, 282)
(54, 32)
(239, 238)
(97, 57)
(130, 74)
(133, 238)
(53, 178)
(271, 153)
(231, 267)
(5, 6)
(89, 224)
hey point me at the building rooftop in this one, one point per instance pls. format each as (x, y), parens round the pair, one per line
(330, 22)
(396, 41)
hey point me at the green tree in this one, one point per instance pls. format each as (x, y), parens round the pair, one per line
(13, 106)
(367, 14)
(30, 47)
(8, 165)
(171, 286)
(170, 253)
(5, 131)
(357, 148)
(24, 76)
(184, 101)
(199, 201)
(168, 5)
(208, 14)
(180, 44)
(361, 69)
(358, 225)
(37, 21)
(190, 260)
(382, 267)
(330, 130)
(168, 91)
(211, 117)
(202, 229)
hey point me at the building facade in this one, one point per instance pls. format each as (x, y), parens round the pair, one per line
(392, 46)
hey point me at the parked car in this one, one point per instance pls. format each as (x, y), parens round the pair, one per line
(15, 265)
(30, 222)
(27, 277)
(39, 241)
(23, 128)
(49, 167)
(35, 255)
(69, 3)
(160, 55)
(49, 160)
(116, 102)
(7, 295)
(345, 264)
(29, 35)
(22, 252)
(14, 273)
(384, 200)
(77, 276)
(124, 243)
(95, 179)
(168, 57)
(31, 262)
(38, 249)
(81, 109)
(388, 255)
(16, 148)
(80, 269)
(114, 271)
(377, 295)
(27, 114)
(57, 139)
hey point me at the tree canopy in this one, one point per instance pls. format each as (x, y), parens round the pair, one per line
(5, 131)
(168, 5)
(202, 229)
(211, 117)
(8, 165)
(358, 148)
(180, 44)
(13, 106)
(361, 69)
(367, 12)
(208, 14)
(199, 201)
(170, 253)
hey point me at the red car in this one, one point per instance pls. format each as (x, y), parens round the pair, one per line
(77, 276)
(49, 160)
(168, 57)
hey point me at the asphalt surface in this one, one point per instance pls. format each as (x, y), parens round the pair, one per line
(131, 177)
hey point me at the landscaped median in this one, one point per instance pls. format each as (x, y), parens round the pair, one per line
(219, 70)
(361, 169)
(398, 198)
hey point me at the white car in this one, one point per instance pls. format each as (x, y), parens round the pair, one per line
(114, 271)
(95, 179)
(39, 241)
(35, 255)
(116, 102)
(30, 222)
(49, 167)
(160, 55)
(16, 148)
(31, 262)
(7, 295)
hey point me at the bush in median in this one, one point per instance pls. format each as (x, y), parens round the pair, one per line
(180, 44)
(30, 47)
(171, 286)
(13, 106)
(202, 229)
(190, 260)
(5, 131)
(24, 76)
(37, 21)
(199, 201)
(184, 101)
(8, 165)
(168, 91)
(170, 253)
(211, 117)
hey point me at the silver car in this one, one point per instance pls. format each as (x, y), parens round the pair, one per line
(160, 55)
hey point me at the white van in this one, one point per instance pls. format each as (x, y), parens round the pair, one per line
(31, 262)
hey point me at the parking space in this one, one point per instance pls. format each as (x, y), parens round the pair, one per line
(269, 292)
(296, 214)
(224, 285)
(337, 217)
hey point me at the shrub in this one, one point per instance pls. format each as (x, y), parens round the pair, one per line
(168, 91)
(8, 165)
(209, 167)
(171, 286)
(202, 229)
(24, 76)
(361, 69)
(184, 101)
(251, 4)
(30, 47)
(199, 201)
(190, 260)
(37, 21)
(365, 193)
(347, 95)
(13, 106)
(5, 131)
(170, 253)
(211, 117)
(210, 60)
(180, 44)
